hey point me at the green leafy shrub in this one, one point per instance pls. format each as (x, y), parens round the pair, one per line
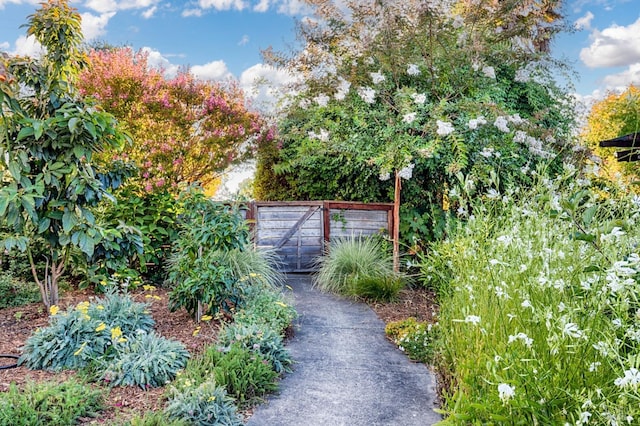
(203, 279)
(16, 292)
(144, 360)
(206, 404)
(266, 306)
(376, 288)
(50, 404)
(120, 310)
(260, 339)
(417, 339)
(70, 341)
(84, 333)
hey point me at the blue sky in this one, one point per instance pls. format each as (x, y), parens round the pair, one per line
(223, 38)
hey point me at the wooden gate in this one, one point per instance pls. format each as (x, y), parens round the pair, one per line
(298, 231)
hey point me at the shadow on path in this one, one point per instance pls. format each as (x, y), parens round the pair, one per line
(346, 372)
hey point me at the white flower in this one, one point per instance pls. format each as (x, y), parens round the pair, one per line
(501, 124)
(419, 98)
(631, 378)
(506, 391)
(528, 341)
(522, 76)
(489, 72)
(408, 118)
(321, 99)
(304, 103)
(473, 319)
(516, 119)
(323, 135)
(458, 22)
(526, 304)
(444, 128)
(407, 172)
(584, 417)
(343, 89)
(594, 366)
(367, 94)
(377, 77)
(571, 329)
(487, 152)
(384, 176)
(493, 194)
(475, 122)
(413, 69)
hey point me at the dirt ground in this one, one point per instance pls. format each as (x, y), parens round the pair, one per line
(17, 324)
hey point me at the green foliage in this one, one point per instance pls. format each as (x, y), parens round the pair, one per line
(198, 268)
(70, 341)
(349, 259)
(155, 418)
(144, 359)
(417, 339)
(83, 334)
(16, 292)
(120, 310)
(377, 289)
(244, 374)
(259, 339)
(55, 404)
(206, 404)
(541, 305)
(48, 138)
(266, 307)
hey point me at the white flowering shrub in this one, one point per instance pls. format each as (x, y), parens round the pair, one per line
(409, 84)
(540, 314)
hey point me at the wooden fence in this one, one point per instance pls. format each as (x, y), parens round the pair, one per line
(299, 231)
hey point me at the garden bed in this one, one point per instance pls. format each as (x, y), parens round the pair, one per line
(122, 403)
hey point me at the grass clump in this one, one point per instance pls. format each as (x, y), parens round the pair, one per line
(48, 403)
(352, 260)
(16, 292)
(417, 339)
(261, 340)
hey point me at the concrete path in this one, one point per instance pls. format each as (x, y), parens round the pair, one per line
(346, 371)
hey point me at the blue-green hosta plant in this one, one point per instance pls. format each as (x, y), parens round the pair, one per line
(206, 404)
(120, 310)
(143, 359)
(260, 339)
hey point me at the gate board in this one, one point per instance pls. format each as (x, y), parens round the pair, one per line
(300, 231)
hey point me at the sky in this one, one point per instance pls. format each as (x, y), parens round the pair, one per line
(223, 38)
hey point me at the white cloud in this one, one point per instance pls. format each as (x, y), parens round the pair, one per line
(95, 26)
(584, 22)
(105, 6)
(191, 12)
(222, 4)
(148, 14)
(157, 60)
(613, 46)
(244, 40)
(264, 85)
(262, 6)
(624, 79)
(216, 70)
(27, 46)
(4, 46)
(294, 7)
(3, 3)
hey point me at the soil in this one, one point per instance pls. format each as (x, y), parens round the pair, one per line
(122, 403)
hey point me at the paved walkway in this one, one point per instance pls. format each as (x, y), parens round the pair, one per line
(346, 371)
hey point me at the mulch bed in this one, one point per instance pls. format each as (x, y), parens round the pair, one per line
(17, 324)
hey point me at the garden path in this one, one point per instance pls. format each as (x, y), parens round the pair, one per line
(346, 372)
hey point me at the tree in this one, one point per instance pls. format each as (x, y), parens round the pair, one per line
(184, 130)
(431, 91)
(48, 138)
(616, 115)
